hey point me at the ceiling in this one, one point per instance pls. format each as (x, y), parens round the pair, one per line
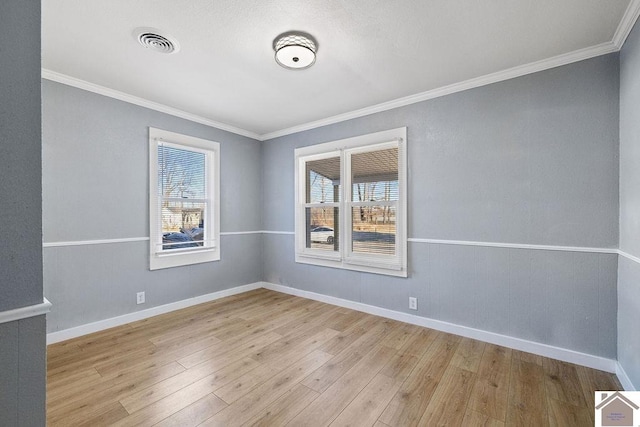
(372, 54)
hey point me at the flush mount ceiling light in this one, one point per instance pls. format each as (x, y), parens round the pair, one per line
(156, 40)
(295, 50)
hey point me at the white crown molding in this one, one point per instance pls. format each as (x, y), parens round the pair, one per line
(545, 350)
(626, 23)
(521, 70)
(622, 32)
(122, 96)
(25, 312)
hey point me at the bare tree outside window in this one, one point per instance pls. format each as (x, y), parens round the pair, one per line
(181, 187)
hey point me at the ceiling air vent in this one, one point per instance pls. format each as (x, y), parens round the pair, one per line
(154, 39)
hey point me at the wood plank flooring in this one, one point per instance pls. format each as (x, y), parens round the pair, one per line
(263, 358)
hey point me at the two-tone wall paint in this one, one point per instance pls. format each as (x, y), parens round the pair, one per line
(96, 215)
(628, 268)
(513, 210)
(532, 160)
(22, 337)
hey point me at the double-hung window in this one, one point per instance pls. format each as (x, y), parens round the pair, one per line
(351, 203)
(183, 199)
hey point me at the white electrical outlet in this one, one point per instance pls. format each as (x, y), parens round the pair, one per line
(140, 298)
(413, 303)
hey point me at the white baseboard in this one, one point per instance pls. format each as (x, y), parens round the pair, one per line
(596, 362)
(101, 325)
(566, 355)
(624, 378)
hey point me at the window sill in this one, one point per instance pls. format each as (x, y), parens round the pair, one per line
(184, 252)
(387, 270)
(169, 260)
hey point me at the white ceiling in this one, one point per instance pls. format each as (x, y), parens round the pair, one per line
(376, 53)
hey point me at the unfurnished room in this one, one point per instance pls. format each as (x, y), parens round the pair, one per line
(323, 212)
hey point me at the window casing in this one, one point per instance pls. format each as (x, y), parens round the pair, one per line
(184, 189)
(351, 203)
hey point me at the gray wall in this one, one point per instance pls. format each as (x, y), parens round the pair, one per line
(629, 271)
(23, 372)
(95, 186)
(533, 160)
(22, 343)
(20, 211)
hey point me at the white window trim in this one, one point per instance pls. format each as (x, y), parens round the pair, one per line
(210, 252)
(344, 258)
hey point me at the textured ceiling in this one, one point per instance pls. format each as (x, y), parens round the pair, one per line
(370, 51)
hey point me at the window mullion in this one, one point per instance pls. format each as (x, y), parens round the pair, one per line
(370, 212)
(345, 248)
(322, 205)
(392, 203)
(184, 199)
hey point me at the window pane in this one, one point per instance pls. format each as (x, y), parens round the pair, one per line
(374, 230)
(322, 228)
(181, 173)
(323, 180)
(375, 176)
(182, 224)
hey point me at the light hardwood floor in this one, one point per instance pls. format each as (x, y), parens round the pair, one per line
(266, 358)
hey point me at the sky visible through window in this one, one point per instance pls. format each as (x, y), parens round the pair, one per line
(181, 173)
(182, 191)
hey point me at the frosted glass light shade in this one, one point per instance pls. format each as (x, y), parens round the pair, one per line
(295, 50)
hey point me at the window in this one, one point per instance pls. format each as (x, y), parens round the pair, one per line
(184, 183)
(351, 203)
